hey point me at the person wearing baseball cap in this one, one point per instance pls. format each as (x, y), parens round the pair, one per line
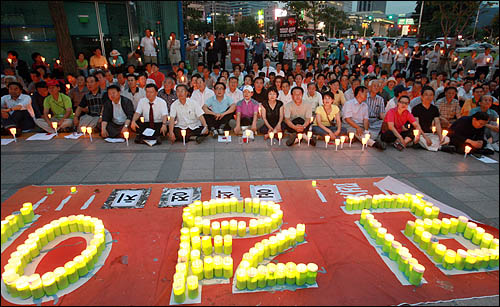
(399, 90)
(61, 107)
(247, 112)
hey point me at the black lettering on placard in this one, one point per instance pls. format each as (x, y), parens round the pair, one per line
(180, 196)
(224, 194)
(264, 193)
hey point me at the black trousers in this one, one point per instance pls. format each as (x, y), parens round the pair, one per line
(189, 133)
(460, 145)
(144, 126)
(21, 119)
(280, 57)
(259, 59)
(216, 124)
(480, 70)
(296, 121)
(114, 130)
(389, 136)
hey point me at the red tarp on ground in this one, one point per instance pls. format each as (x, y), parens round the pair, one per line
(149, 237)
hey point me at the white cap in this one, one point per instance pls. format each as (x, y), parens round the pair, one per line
(248, 88)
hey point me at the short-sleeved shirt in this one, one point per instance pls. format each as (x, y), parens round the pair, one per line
(326, 119)
(293, 111)
(425, 116)
(148, 45)
(247, 108)
(272, 115)
(491, 113)
(98, 62)
(138, 95)
(23, 100)
(159, 109)
(236, 96)
(219, 106)
(376, 105)
(448, 110)
(315, 101)
(260, 97)
(169, 98)
(399, 119)
(356, 111)
(94, 102)
(82, 64)
(200, 97)
(59, 106)
(188, 114)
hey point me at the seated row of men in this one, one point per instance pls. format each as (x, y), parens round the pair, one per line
(114, 112)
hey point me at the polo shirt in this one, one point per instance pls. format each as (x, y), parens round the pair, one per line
(236, 96)
(260, 97)
(247, 108)
(285, 98)
(425, 116)
(491, 113)
(138, 95)
(148, 45)
(448, 110)
(59, 106)
(219, 106)
(187, 115)
(293, 111)
(23, 100)
(327, 119)
(399, 119)
(98, 62)
(94, 102)
(315, 101)
(356, 111)
(159, 109)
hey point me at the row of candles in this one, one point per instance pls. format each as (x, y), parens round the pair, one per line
(408, 265)
(424, 233)
(22, 286)
(415, 203)
(12, 223)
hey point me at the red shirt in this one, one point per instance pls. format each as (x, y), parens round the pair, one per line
(399, 120)
(158, 77)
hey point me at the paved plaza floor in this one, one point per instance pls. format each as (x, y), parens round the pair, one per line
(466, 184)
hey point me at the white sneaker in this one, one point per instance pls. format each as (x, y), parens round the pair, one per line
(495, 146)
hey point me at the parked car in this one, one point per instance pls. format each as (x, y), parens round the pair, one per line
(334, 41)
(411, 41)
(381, 40)
(478, 47)
(433, 43)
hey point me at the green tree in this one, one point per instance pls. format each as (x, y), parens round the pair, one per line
(223, 25)
(248, 25)
(298, 9)
(335, 20)
(191, 18)
(313, 12)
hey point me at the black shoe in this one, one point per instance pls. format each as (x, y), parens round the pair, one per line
(313, 141)
(158, 140)
(380, 145)
(417, 146)
(291, 139)
(200, 139)
(214, 133)
(398, 146)
(449, 148)
(138, 140)
(485, 151)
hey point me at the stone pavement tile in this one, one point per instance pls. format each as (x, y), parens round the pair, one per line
(9, 158)
(32, 165)
(445, 181)
(265, 173)
(421, 167)
(287, 165)
(478, 181)
(318, 171)
(366, 160)
(111, 175)
(115, 157)
(196, 174)
(352, 170)
(171, 167)
(198, 164)
(377, 169)
(308, 159)
(90, 156)
(16, 177)
(230, 160)
(483, 301)
(67, 177)
(153, 156)
(199, 156)
(115, 165)
(139, 176)
(231, 174)
(259, 154)
(144, 165)
(40, 157)
(490, 192)
(467, 194)
(264, 162)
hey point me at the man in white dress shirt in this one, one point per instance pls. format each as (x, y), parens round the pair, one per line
(285, 95)
(186, 114)
(155, 112)
(149, 45)
(233, 91)
(267, 69)
(202, 93)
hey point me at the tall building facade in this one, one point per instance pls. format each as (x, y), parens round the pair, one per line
(372, 6)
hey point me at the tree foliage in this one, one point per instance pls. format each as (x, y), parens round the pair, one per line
(247, 25)
(299, 9)
(334, 19)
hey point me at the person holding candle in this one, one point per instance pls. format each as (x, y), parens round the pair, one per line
(19, 66)
(91, 104)
(326, 115)
(491, 128)
(219, 109)
(115, 60)
(17, 110)
(300, 52)
(148, 45)
(186, 114)
(394, 129)
(76, 93)
(427, 116)
(97, 61)
(484, 61)
(469, 131)
(117, 113)
(61, 107)
(433, 58)
(174, 50)
(247, 111)
(155, 112)
(211, 51)
(297, 117)
(192, 52)
(272, 112)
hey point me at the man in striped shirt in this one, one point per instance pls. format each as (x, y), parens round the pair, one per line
(376, 107)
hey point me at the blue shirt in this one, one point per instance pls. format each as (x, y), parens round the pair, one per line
(219, 107)
(491, 113)
(308, 46)
(280, 46)
(260, 48)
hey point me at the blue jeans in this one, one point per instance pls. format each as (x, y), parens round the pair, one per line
(317, 130)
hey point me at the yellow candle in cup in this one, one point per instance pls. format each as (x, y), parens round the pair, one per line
(253, 227)
(208, 267)
(27, 214)
(242, 228)
(36, 286)
(73, 190)
(49, 283)
(206, 244)
(241, 278)
(291, 273)
(179, 289)
(233, 227)
(206, 227)
(218, 244)
(81, 265)
(224, 228)
(228, 267)
(22, 287)
(10, 278)
(215, 229)
(301, 274)
(197, 268)
(218, 266)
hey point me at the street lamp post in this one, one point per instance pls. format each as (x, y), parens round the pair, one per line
(420, 17)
